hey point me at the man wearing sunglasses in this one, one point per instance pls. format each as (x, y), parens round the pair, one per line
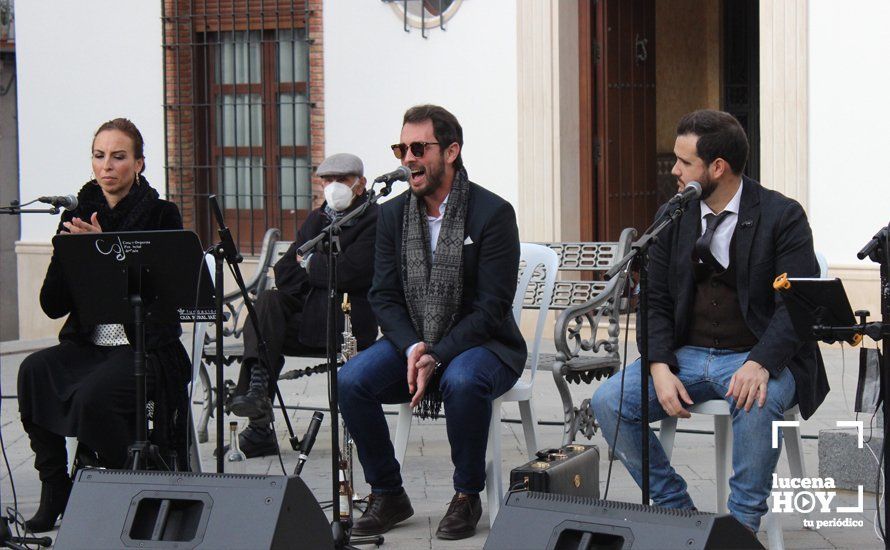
(444, 279)
(292, 316)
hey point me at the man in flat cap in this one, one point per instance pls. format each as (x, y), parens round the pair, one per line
(292, 317)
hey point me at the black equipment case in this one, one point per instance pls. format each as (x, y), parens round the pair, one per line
(569, 470)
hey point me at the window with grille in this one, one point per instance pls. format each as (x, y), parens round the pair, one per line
(238, 116)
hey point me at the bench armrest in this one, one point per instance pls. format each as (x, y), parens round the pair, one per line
(568, 332)
(235, 312)
(570, 325)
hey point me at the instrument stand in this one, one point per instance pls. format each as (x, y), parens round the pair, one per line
(226, 251)
(328, 241)
(818, 321)
(142, 454)
(638, 258)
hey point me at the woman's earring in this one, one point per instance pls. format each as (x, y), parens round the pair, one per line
(136, 179)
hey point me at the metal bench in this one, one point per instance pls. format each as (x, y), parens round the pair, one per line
(584, 305)
(235, 316)
(583, 353)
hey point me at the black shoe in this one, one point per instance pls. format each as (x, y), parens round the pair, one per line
(53, 499)
(258, 441)
(461, 518)
(255, 441)
(383, 512)
(253, 405)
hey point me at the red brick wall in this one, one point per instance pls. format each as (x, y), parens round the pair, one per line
(316, 93)
(187, 173)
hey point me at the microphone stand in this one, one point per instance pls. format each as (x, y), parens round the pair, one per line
(226, 250)
(329, 241)
(638, 258)
(878, 251)
(15, 209)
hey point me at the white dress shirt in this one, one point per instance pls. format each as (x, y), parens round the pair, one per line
(723, 233)
(435, 223)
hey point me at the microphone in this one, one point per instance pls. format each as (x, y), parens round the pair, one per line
(68, 202)
(873, 244)
(309, 440)
(402, 173)
(691, 192)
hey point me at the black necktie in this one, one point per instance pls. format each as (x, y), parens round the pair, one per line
(702, 250)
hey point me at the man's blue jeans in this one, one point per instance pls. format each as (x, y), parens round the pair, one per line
(706, 374)
(379, 375)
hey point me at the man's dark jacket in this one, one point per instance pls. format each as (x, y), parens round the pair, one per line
(772, 237)
(490, 267)
(355, 268)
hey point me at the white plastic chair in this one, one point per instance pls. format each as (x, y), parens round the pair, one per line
(534, 256)
(719, 408)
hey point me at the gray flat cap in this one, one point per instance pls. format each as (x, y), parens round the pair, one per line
(340, 164)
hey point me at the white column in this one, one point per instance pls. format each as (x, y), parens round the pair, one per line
(783, 97)
(548, 103)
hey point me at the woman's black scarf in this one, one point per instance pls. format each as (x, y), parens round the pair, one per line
(130, 214)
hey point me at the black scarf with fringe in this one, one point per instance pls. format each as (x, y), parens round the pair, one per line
(433, 283)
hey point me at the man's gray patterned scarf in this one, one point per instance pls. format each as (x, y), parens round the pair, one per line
(433, 286)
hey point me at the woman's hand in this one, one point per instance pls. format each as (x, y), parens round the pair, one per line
(77, 225)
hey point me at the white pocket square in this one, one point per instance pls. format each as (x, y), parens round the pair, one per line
(468, 240)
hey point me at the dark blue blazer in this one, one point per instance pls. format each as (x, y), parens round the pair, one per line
(772, 237)
(490, 267)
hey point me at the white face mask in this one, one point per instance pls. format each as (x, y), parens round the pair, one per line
(339, 195)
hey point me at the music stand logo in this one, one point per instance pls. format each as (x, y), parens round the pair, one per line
(119, 248)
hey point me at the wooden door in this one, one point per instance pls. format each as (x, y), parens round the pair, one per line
(618, 187)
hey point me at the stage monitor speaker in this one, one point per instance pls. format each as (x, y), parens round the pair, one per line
(141, 509)
(562, 522)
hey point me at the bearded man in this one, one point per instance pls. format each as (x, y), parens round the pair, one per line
(717, 330)
(447, 256)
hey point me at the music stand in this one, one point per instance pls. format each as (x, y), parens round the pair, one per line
(818, 308)
(134, 278)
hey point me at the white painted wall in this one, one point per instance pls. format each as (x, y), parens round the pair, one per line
(848, 125)
(374, 71)
(80, 64)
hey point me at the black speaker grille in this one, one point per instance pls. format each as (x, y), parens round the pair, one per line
(612, 505)
(153, 474)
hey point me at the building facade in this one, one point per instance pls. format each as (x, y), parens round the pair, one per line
(568, 107)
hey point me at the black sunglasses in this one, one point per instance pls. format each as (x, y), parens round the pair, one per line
(418, 148)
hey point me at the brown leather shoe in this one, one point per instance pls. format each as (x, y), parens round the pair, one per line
(461, 518)
(383, 512)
